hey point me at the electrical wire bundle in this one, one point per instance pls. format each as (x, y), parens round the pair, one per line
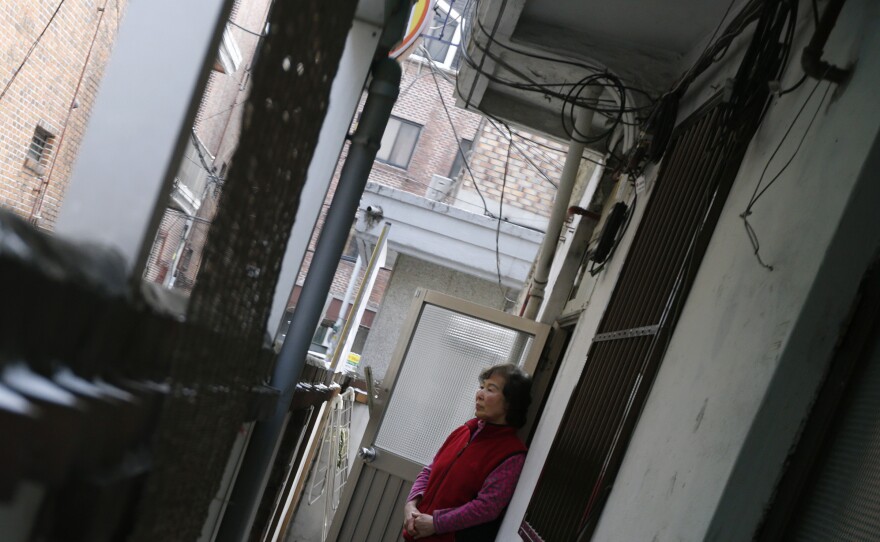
(764, 61)
(612, 104)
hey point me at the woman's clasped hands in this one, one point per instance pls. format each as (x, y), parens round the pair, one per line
(417, 524)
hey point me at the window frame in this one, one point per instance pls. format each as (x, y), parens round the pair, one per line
(448, 62)
(412, 151)
(37, 162)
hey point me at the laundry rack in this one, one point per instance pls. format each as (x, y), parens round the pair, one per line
(330, 472)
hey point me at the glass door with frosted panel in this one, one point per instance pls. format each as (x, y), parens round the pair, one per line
(444, 346)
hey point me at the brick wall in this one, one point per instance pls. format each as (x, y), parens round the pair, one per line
(54, 90)
(218, 122)
(217, 125)
(530, 161)
(435, 152)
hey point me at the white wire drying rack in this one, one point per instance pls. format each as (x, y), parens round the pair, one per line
(330, 471)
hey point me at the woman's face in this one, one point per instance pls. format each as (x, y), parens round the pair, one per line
(490, 405)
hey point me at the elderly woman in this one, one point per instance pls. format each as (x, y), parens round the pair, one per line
(462, 495)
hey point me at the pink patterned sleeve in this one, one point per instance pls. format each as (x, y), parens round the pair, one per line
(421, 483)
(493, 497)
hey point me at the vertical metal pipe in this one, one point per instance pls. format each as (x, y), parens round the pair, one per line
(256, 466)
(346, 299)
(583, 121)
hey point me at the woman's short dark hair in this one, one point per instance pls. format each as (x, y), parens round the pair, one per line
(517, 391)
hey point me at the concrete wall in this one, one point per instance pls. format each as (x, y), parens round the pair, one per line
(410, 274)
(752, 345)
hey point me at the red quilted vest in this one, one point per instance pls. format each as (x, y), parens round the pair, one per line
(460, 467)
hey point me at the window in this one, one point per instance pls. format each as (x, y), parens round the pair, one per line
(39, 145)
(398, 142)
(443, 37)
(38, 151)
(461, 154)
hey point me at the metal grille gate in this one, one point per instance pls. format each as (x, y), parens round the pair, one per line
(632, 336)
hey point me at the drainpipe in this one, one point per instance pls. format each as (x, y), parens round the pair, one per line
(256, 466)
(582, 123)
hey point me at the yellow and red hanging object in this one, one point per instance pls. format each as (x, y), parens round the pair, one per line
(419, 18)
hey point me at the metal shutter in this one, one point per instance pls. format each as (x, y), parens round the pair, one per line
(692, 186)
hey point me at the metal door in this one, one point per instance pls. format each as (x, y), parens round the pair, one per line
(428, 391)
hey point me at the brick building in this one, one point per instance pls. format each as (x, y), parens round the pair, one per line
(420, 154)
(177, 249)
(52, 58)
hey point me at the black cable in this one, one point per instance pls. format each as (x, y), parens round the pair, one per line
(793, 87)
(457, 139)
(224, 110)
(588, 67)
(539, 144)
(30, 50)
(758, 191)
(184, 214)
(258, 34)
(573, 102)
(494, 121)
(498, 227)
(212, 176)
(543, 89)
(410, 85)
(511, 142)
(483, 60)
(715, 33)
(606, 81)
(804, 76)
(533, 86)
(756, 197)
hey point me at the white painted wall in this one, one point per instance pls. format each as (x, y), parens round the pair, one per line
(409, 274)
(751, 347)
(471, 201)
(450, 237)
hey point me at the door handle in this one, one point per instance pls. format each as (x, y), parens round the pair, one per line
(367, 454)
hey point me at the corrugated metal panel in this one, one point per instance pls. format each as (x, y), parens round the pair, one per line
(374, 510)
(843, 500)
(634, 331)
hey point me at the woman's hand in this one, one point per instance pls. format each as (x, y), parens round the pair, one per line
(423, 525)
(409, 512)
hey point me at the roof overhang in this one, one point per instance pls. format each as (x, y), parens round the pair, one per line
(448, 236)
(646, 44)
